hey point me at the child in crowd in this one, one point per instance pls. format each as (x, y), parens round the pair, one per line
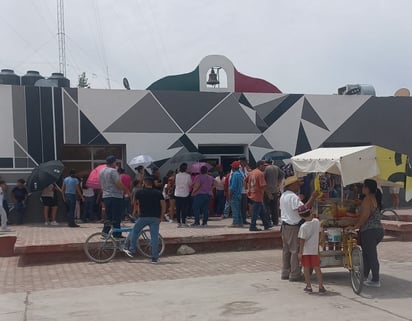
(308, 235)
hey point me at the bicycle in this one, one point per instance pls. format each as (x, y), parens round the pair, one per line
(353, 259)
(348, 255)
(102, 247)
(389, 214)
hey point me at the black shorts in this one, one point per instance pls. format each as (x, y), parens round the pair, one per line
(48, 201)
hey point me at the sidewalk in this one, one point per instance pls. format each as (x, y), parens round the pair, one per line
(39, 242)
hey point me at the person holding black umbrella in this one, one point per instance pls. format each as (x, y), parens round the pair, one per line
(71, 187)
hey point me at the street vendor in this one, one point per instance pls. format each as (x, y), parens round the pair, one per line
(291, 221)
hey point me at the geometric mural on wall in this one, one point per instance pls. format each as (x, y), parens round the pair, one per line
(310, 115)
(186, 108)
(227, 117)
(183, 120)
(264, 109)
(146, 116)
(261, 142)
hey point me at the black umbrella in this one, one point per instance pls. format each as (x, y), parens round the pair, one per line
(276, 155)
(187, 157)
(45, 174)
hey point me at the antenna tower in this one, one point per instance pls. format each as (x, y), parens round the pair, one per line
(61, 37)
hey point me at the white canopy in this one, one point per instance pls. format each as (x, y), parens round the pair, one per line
(354, 164)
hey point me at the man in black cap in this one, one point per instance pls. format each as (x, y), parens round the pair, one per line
(152, 207)
(113, 189)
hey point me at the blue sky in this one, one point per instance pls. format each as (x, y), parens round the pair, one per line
(300, 46)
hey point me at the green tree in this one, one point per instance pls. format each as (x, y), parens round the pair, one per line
(83, 81)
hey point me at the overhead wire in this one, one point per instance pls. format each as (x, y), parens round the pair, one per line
(159, 37)
(132, 42)
(100, 36)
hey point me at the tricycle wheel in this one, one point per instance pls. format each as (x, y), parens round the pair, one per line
(356, 271)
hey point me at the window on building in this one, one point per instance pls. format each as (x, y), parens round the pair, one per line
(83, 158)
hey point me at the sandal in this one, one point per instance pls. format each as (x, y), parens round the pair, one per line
(322, 290)
(308, 289)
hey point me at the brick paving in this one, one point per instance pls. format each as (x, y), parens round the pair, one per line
(15, 278)
(39, 234)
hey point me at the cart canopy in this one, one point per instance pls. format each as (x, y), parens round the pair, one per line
(355, 164)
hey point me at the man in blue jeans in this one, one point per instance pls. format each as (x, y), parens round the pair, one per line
(235, 193)
(152, 207)
(70, 188)
(112, 195)
(202, 192)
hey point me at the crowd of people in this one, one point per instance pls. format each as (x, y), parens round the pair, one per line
(241, 193)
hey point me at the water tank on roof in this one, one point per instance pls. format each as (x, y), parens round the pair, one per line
(61, 80)
(8, 77)
(30, 78)
(357, 90)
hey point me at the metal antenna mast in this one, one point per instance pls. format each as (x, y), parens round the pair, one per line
(61, 37)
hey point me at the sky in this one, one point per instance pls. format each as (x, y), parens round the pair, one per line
(301, 46)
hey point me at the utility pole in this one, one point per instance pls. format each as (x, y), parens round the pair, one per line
(61, 37)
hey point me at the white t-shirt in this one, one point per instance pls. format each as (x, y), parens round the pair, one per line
(309, 231)
(88, 192)
(183, 183)
(289, 204)
(1, 196)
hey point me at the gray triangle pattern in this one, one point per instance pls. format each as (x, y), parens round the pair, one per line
(261, 142)
(228, 117)
(176, 144)
(18, 152)
(260, 123)
(310, 115)
(146, 116)
(265, 109)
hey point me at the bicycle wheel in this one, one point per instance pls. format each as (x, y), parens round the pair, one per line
(356, 271)
(100, 248)
(389, 214)
(144, 243)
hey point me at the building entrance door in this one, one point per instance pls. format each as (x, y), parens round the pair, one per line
(226, 162)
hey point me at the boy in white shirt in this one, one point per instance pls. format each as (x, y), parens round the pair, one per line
(309, 247)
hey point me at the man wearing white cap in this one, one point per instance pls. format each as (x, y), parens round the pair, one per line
(291, 221)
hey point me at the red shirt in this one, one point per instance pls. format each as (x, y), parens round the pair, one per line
(126, 180)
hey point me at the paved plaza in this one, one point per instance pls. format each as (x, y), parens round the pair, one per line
(214, 286)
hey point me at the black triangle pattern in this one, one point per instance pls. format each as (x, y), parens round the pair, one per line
(99, 140)
(261, 142)
(188, 144)
(243, 100)
(88, 132)
(303, 144)
(260, 123)
(176, 144)
(309, 114)
(282, 108)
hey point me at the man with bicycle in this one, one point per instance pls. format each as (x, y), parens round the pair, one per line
(152, 207)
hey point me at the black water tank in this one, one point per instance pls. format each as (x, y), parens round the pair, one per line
(30, 78)
(62, 81)
(8, 77)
